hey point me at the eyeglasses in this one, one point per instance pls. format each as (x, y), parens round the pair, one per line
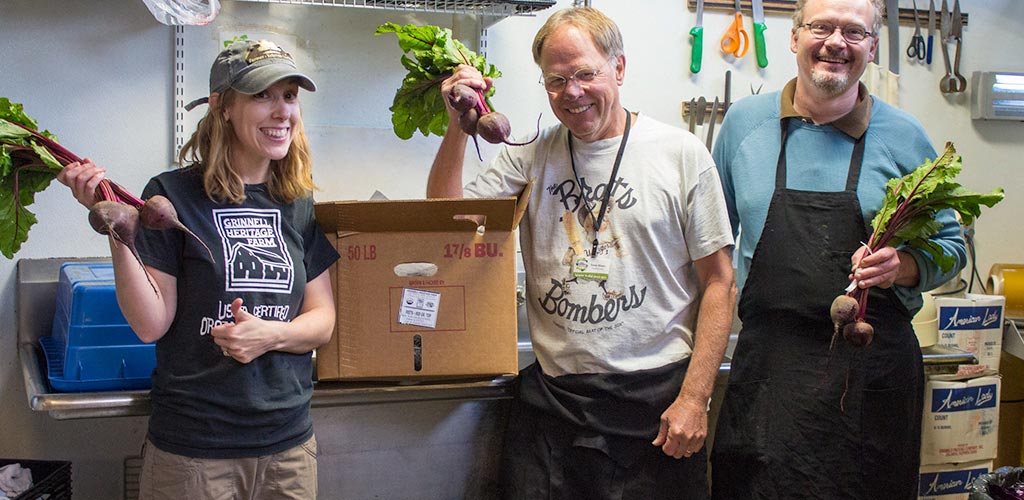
(852, 33)
(583, 76)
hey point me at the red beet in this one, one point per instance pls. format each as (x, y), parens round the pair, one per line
(118, 220)
(462, 98)
(844, 310)
(468, 121)
(859, 333)
(158, 213)
(493, 127)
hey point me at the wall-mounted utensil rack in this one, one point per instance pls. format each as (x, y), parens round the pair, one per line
(786, 7)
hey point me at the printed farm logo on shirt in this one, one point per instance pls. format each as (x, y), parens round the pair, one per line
(256, 258)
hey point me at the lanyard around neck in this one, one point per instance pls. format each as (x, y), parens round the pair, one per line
(608, 188)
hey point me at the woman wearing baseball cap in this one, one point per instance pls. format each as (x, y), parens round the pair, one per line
(234, 333)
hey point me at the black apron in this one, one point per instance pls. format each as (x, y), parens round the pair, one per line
(588, 437)
(799, 420)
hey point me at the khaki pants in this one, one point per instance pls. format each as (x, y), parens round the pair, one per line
(290, 474)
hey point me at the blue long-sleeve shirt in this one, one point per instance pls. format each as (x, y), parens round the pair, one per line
(818, 157)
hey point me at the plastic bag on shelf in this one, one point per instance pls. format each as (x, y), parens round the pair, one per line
(1004, 483)
(183, 12)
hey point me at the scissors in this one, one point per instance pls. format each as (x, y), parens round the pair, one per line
(918, 49)
(735, 40)
(951, 30)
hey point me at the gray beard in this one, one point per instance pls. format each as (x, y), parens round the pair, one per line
(830, 83)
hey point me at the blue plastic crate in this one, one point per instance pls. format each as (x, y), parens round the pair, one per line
(86, 296)
(92, 334)
(98, 368)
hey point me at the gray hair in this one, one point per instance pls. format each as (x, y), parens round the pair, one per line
(879, 5)
(600, 27)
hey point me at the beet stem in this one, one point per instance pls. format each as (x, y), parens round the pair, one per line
(52, 145)
(481, 104)
(123, 195)
(535, 136)
(477, 144)
(863, 301)
(846, 388)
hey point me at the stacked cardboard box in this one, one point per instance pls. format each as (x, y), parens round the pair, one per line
(950, 481)
(973, 323)
(961, 414)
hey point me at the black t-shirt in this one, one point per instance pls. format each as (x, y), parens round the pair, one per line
(205, 404)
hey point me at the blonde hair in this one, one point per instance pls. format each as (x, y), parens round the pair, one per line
(209, 148)
(600, 27)
(879, 6)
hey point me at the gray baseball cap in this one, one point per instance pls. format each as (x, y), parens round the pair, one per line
(249, 67)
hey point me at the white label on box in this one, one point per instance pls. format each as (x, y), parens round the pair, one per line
(961, 420)
(950, 481)
(986, 345)
(419, 307)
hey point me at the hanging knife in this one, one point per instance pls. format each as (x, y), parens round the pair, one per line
(759, 27)
(931, 28)
(728, 92)
(691, 119)
(892, 16)
(697, 31)
(711, 126)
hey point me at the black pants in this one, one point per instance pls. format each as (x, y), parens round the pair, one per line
(547, 458)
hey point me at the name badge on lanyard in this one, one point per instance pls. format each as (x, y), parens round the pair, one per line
(594, 266)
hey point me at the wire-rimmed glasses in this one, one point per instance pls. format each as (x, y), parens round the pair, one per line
(556, 83)
(852, 33)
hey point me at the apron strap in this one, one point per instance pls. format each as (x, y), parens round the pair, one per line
(853, 173)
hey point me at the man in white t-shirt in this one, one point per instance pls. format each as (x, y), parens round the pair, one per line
(630, 290)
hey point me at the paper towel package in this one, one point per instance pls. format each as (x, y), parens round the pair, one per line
(961, 420)
(950, 481)
(1008, 280)
(973, 323)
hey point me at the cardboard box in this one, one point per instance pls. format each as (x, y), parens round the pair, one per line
(424, 288)
(961, 420)
(950, 481)
(973, 323)
(1011, 411)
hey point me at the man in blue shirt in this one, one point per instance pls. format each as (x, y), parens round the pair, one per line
(802, 418)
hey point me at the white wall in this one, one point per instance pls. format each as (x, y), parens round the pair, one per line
(99, 75)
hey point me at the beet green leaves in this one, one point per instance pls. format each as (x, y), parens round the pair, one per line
(911, 202)
(430, 54)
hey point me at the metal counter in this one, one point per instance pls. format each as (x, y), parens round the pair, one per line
(36, 289)
(36, 297)
(1013, 342)
(938, 360)
(72, 405)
